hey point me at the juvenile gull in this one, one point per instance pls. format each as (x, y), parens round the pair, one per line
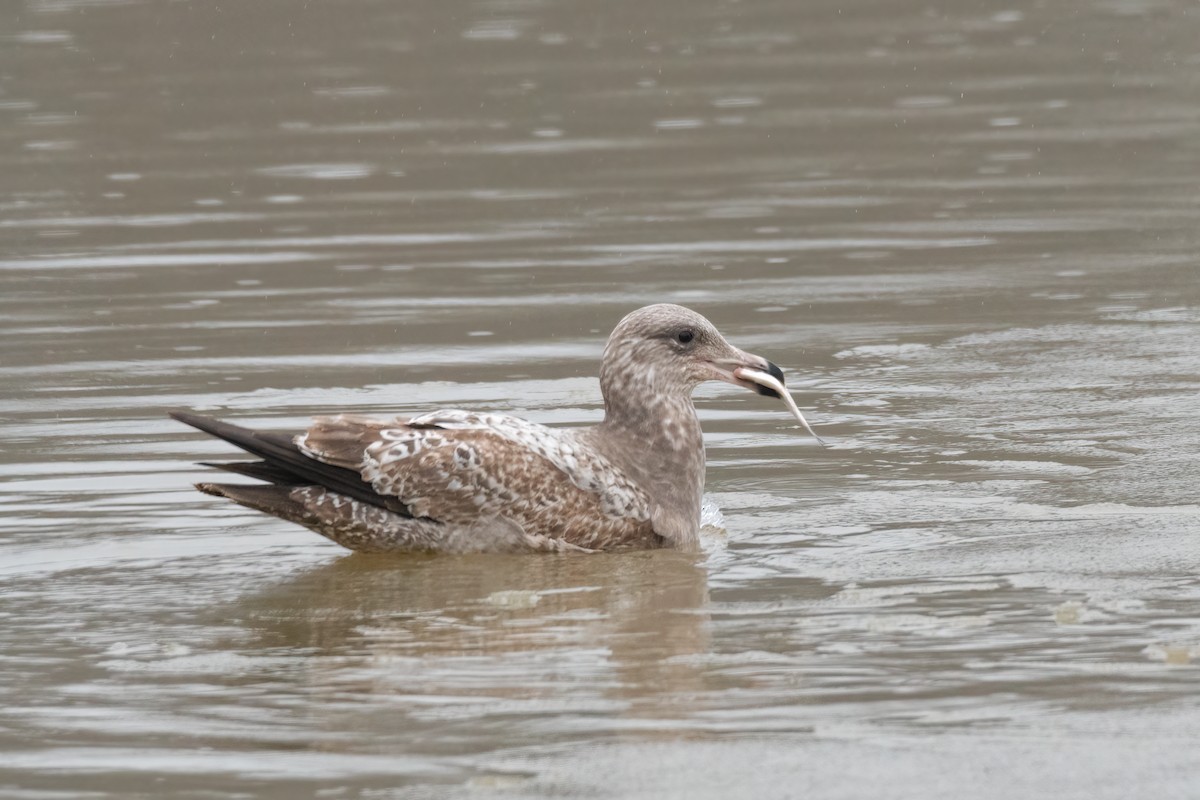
(460, 481)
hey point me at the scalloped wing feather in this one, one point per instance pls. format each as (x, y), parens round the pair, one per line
(457, 467)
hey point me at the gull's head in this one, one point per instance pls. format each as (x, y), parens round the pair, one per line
(666, 349)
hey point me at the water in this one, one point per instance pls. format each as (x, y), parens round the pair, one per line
(969, 234)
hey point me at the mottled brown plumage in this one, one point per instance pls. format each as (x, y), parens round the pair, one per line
(456, 481)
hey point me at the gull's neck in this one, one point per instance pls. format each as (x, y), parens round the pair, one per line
(664, 421)
(653, 434)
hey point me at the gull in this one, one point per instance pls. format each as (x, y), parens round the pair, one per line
(466, 481)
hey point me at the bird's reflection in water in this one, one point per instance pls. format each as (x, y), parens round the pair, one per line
(616, 639)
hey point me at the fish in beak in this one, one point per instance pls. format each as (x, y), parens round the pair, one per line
(757, 373)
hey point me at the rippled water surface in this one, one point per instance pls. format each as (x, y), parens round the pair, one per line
(969, 232)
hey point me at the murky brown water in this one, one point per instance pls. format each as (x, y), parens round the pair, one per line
(971, 232)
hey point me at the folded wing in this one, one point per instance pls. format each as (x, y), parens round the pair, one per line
(456, 467)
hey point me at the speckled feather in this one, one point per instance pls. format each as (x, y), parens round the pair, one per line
(457, 467)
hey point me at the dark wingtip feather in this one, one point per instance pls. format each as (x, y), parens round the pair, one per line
(274, 500)
(233, 434)
(189, 417)
(283, 456)
(259, 470)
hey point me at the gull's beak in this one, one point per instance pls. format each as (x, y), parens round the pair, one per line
(755, 372)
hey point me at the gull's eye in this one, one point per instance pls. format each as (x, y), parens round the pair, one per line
(685, 337)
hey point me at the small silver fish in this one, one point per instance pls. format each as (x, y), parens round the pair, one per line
(776, 385)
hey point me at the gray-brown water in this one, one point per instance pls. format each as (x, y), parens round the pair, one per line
(969, 232)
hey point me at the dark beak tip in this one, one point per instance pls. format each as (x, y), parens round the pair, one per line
(775, 372)
(767, 391)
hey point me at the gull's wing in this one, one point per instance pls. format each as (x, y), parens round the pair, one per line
(458, 467)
